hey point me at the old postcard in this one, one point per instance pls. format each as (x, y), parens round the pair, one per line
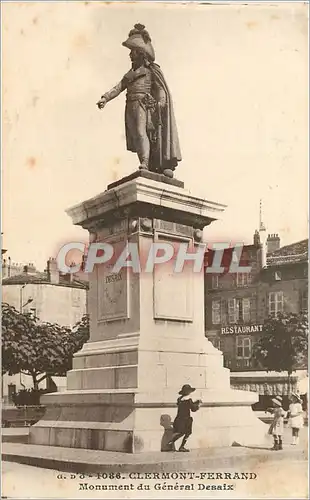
(155, 250)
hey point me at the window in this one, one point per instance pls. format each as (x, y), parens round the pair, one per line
(216, 312)
(243, 279)
(304, 300)
(243, 363)
(275, 303)
(245, 311)
(11, 392)
(218, 343)
(239, 310)
(277, 276)
(215, 281)
(243, 345)
(233, 312)
(227, 362)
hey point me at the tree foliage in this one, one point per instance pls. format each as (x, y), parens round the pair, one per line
(284, 345)
(38, 349)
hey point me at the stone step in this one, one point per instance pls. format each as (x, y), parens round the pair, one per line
(105, 377)
(95, 461)
(15, 435)
(164, 397)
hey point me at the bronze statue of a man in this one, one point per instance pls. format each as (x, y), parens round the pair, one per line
(149, 119)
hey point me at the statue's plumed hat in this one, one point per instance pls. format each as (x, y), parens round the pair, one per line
(140, 39)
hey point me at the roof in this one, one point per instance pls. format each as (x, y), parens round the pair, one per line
(247, 256)
(289, 254)
(42, 279)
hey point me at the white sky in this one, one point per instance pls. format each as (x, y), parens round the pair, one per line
(238, 77)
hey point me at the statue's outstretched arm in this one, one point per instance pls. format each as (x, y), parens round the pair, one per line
(111, 94)
(115, 91)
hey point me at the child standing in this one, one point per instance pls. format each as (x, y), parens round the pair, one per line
(182, 425)
(296, 419)
(277, 426)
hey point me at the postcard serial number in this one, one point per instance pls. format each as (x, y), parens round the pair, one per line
(162, 476)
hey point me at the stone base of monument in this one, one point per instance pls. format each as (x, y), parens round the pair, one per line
(146, 427)
(147, 334)
(103, 411)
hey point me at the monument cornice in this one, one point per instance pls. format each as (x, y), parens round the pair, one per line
(148, 196)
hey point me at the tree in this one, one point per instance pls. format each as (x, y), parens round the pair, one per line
(284, 345)
(38, 349)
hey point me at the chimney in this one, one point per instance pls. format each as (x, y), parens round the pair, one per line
(29, 268)
(273, 243)
(52, 271)
(256, 239)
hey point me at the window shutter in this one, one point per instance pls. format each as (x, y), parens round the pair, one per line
(246, 304)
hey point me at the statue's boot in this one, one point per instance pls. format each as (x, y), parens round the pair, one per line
(144, 161)
(144, 165)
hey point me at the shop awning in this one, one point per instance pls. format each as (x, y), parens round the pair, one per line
(269, 383)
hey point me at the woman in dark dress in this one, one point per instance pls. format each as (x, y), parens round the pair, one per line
(182, 425)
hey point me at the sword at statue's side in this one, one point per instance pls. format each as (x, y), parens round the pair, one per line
(159, 136)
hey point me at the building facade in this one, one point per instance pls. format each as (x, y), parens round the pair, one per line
(50, 296)
(237, 305)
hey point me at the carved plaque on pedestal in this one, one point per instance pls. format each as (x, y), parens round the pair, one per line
(113, 290)
(173, 292)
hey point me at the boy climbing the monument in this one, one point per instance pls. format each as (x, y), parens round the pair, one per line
(182, 425)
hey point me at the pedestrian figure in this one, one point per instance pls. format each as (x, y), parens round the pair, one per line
(296, 419)
(182, 425)
(276, 428)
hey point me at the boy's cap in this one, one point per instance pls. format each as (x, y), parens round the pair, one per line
(187, 389)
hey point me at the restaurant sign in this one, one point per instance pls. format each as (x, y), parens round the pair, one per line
(241, 329)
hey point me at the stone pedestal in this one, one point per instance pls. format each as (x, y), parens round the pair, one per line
(147, 335)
